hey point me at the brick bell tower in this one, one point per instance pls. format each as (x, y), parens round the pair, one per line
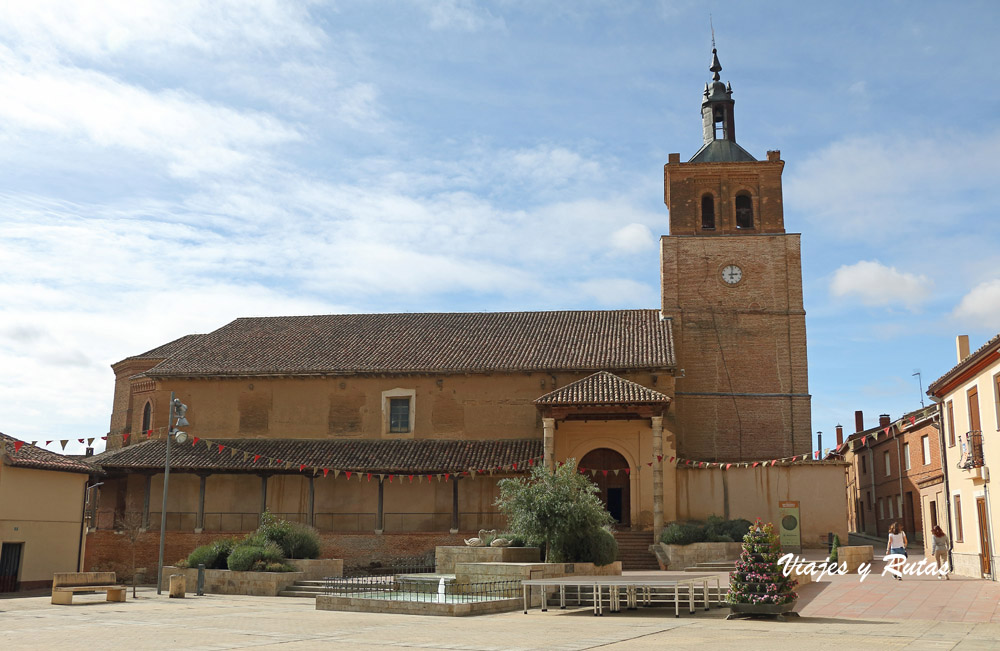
(731, 279)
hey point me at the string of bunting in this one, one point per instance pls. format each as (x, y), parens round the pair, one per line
(840, 449)
(89, 441)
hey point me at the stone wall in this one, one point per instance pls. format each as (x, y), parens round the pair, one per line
(445, 557)
(107, 550)
(258, 584)
(678, 557)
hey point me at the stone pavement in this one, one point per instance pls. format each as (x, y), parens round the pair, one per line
(228, 622)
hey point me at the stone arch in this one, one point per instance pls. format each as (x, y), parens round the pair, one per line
(615, 489)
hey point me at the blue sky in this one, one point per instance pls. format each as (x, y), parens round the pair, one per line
(166, 167)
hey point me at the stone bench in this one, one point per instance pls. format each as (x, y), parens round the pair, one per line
(64, 584)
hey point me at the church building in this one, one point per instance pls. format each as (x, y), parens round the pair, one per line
(389, 432)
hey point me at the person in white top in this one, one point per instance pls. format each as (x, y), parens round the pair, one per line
(896, 543)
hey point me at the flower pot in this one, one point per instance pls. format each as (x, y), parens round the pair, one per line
(761, 609)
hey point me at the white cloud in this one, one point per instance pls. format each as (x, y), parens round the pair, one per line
(188, 134)
(459, 15)
(876, 284)
(98, 29)
(633, 238)
(620, 292)
(980, 308)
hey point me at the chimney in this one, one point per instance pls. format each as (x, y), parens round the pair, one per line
(840, 435)
(819, 443)
(962, 344)
(884, 420)
(859, 421)
(89, 452)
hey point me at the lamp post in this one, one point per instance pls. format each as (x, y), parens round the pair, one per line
(177, 408)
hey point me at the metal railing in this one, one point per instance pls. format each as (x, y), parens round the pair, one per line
(432, 590)
(972, 450)
(398, 567)
(345, 522)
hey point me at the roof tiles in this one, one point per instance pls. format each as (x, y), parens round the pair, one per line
(601, 388)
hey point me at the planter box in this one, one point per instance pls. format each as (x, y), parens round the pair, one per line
(678, 557)
(259, 584)
(853, 556)
(445, 558)
(761, 609)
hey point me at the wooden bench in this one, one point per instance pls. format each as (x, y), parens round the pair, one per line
(64, 584)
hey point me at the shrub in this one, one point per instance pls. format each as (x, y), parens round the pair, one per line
(247, 557)
(296, 540)
(738, 528)
(682, 533)
(717, 538)
(214, 555)
(834, 547)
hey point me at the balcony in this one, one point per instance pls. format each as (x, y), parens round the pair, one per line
(972, 450)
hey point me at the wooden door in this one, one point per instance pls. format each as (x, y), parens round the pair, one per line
(984, 536)
(614, 486)
(10, 564)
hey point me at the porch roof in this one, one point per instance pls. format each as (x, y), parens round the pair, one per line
(31, 456)
(363, 455)
(602, 388)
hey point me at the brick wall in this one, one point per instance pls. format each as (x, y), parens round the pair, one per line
(109, 551)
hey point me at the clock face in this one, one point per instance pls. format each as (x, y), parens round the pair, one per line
(732, 274)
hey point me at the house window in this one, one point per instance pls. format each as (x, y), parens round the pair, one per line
(864, 466)
(906, 456)
(888, 465)
(925, 445)
(881, 509)
(891, 516)
(708, 212)
(951, 424)
(958, 518)
(398, 406)
(973, 395)
(870, 504)
(934, 521)
(399, 415)
(744, 210)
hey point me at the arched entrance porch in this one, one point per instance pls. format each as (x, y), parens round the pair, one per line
(614, 487)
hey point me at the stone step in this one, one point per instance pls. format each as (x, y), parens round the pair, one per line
(298, 593)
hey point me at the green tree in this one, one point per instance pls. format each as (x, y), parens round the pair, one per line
(557, 509)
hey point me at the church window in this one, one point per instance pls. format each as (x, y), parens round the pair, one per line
(147, 417)
(744, 211)
(708, 212)
(399, 415)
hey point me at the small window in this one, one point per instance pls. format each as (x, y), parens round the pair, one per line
(958, 518)
(888, 465)
(891, 515)
(973, 395)
(906, 456)
(925, 444)
(881, 509)
(147, 418)
(871, 505)
(744, 211)
(864, 466)
(951, 424)
(399, 415)
(708, 212)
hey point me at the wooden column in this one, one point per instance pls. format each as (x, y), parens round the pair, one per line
(199, 524)
(378, 515)
(312, 503)
(549, 442)
(454, 505)
(263, 497)
(657, 425)
(145, 502)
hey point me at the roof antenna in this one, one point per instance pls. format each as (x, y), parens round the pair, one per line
(713, 29)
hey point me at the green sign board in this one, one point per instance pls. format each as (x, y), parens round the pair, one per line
(789, 528)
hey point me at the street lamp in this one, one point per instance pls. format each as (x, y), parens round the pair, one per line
(178, 409)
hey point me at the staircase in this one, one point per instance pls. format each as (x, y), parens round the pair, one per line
(304, 589)
(633, 550)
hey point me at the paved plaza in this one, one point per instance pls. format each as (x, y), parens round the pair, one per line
(918, 613)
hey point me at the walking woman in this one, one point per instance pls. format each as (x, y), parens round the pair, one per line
(940, 548)
(896, 543)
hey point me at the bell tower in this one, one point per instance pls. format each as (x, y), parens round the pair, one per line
(731, 279)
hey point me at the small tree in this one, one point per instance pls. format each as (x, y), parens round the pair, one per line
(131, 525)
(556, 509)
(834, 547)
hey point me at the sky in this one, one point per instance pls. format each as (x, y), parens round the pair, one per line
(166, 167)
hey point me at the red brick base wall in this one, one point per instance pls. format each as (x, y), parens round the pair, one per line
(108, 551)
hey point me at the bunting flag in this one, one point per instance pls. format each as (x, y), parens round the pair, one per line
(326, 471)
(17, 446)
(913, 420)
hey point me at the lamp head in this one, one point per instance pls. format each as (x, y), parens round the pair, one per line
(180, 437)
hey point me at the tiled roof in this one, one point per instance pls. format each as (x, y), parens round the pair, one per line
(962, 365)
(428, 343)
(369, 455)
(167, 349)
(601, 388)
(30, 456)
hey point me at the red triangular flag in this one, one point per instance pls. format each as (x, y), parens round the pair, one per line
(755, 463)
(816, 454)
(221, 448)
(47, 442)
(302, 467)
(886, 431)
(628, 471)
(515, 467)
(659, 457)
(531, 462)
(348, 473)
(17, 446)
(194, 441)
(79, 440)
(605, 472)
(429, 478)
(256, 458)
(369, 476)
(326, 471)
(913, 420)
(649, 463)
(728, 466)
(104, 438)
(448, 474)
(390, 479)
(278, 461)
(701, 464)
(671, 460)
(411, 478)
(125, 436)
(149, 433)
